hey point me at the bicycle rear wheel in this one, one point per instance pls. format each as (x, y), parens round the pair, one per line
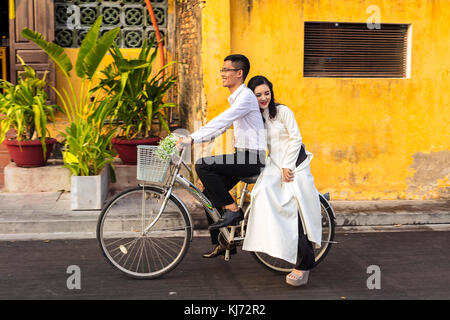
(139, 254)
(328, 229)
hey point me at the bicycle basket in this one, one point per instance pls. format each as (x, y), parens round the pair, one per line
(150, 167)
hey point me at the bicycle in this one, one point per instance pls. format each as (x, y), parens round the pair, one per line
(145, 231)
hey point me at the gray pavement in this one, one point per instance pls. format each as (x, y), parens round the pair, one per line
(412, 266)
(47, 215)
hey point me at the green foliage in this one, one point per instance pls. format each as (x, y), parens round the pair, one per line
(91, 53)
(53, 50)
(88, 143)
(23, 107)
(141, 95)
(88, 140)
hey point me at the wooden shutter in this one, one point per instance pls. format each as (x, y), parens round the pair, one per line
(353, 50)
(38, 15)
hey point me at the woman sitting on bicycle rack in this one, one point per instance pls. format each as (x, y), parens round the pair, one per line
(284, 191)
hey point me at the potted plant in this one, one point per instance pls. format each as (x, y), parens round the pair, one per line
(23, 108)
(87, 154)
(140, 98)
(87, 139)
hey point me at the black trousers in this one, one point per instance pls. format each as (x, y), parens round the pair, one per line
(221, 173)
(305, 247)
(305, 250)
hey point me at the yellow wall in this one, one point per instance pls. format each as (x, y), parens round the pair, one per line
(216, 45)
(365, 134)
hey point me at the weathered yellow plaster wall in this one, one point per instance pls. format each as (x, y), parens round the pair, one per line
(216, 45)
(371, 138)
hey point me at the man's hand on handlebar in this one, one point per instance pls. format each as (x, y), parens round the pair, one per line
(183, 142)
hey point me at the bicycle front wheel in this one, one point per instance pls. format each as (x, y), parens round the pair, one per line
(135, 251)
(328, 229)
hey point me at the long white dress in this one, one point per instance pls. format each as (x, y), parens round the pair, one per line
(276, 205)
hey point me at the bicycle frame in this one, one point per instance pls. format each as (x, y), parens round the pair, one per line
(228, 233)
(194, 191)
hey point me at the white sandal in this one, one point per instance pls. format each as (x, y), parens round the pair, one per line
(295, 279)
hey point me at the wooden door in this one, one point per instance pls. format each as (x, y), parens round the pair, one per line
(38, 15)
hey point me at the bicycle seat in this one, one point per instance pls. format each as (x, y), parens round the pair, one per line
(249, 180)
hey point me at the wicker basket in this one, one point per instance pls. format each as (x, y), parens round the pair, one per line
(150, 167)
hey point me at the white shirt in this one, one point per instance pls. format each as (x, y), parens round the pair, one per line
(246, 118)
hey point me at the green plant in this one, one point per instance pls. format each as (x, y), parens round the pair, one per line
(87, 138)
(141, 95)
(23, 107)
(89, 147)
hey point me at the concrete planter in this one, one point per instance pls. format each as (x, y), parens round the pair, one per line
(50, 178)
(89, 192)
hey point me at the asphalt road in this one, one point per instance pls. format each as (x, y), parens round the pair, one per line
(412, 265)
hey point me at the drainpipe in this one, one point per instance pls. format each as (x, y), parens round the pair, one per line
(158, 35)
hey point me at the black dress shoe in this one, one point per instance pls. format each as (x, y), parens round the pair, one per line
(229, 218)
(219, 250)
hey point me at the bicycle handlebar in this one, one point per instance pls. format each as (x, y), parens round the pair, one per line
(182, 149)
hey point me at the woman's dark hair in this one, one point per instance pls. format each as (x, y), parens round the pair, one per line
(259, 80)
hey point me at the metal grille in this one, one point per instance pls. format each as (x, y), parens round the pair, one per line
(73, 18)
(353, 50)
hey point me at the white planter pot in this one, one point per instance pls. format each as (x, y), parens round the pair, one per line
(89, 192)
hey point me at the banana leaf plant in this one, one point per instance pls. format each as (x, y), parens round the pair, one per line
(23, 107)
(87, 146)
(140, 94)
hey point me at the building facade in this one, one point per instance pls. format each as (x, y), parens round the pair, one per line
(374, 135)
(368, 81)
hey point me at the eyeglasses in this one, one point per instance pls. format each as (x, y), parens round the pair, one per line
(226, 70)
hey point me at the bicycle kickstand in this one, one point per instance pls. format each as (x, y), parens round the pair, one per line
(227, 251)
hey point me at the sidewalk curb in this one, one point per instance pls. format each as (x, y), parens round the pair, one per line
(85, 227)
(205, 233)
(48, 215)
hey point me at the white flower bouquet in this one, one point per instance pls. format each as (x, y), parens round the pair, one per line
(167, 147)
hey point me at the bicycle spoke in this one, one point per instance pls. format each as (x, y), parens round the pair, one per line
(140, 255)
(120, 249)
(156, 253)
(156, 244)
(129, 251)
(158, 256)
(168, 241)
(168, 247)
(124, 245)
(146, 256)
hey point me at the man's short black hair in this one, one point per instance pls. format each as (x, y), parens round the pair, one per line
(240, 62)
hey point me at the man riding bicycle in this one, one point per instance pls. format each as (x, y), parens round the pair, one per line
(221, 173)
